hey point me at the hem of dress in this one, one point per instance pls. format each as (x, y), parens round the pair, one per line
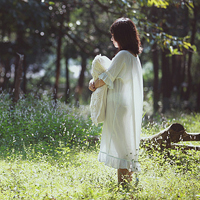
(117, 163)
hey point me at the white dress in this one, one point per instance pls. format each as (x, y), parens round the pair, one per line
(120, 138)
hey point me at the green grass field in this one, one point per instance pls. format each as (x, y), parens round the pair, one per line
(75, 174)
(45, 154)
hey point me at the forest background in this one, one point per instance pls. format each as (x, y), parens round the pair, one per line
(48, 143)
(59, 40)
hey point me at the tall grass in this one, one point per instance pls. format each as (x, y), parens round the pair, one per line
(33, 121)
(48, 151)
(75, 174)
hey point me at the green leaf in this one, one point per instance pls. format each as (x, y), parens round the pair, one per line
(194, 48)
(173, 52)
(51, 3)
(158, 3)
(177, 52)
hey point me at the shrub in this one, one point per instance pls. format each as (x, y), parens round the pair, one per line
(33, 120)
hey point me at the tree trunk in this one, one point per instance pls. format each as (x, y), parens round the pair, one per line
(18, 79)
(177, 78)
(164, 139)
(156, 81)
(5, 84)
(183, 83)
(194, 30)
(24, 76)
(16, 64)
(20, 44)
(166, 82)
(59, 45)
(79, 87)
(198, 99)
(67, 87)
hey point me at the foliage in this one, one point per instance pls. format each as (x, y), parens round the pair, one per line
(32, 121)
(158, 3)
(33, 27)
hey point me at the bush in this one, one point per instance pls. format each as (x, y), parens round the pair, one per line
(33, 120)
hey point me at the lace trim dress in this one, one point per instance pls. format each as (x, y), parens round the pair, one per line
(98, 97)
(120, 138)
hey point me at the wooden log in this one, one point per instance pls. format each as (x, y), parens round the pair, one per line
(173, 134)
(185, 147)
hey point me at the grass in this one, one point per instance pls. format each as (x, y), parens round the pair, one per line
(46, 152)
(69, 175)
(75, 174)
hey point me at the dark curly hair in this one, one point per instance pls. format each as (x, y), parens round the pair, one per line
(126, 35)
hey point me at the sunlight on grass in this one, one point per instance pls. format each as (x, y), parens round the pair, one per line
(51, 153)
(73, 174)
(77, 175)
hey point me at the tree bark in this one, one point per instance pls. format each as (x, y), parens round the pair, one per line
(189, 64)
(67, 87)
(59, 44)
(198, 98)
(24, 76)
(156, 81)
(177, 78)
(67, 57)
(16, 64)
(5, 84)
(18, 79)
(79, 87)
(166, 82)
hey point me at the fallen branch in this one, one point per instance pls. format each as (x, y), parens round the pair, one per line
(185, 147)
(166, 138)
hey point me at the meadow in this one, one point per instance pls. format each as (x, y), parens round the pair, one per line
(49, 151)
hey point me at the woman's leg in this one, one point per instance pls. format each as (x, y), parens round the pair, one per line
(124, 176)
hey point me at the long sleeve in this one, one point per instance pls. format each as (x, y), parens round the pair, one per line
(112, 72)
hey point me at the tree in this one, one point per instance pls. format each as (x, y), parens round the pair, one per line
(194, 7)
(22, 25)
(73, 28)
(172, 36)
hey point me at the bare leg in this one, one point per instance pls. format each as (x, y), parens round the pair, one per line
(124, 176)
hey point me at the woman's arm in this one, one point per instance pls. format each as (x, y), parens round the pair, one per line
(98, 83)
(94, 85)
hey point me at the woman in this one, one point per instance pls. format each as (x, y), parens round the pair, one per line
(122, 125)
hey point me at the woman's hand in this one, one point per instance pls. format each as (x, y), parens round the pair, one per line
(91, 85)
(94, 85)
